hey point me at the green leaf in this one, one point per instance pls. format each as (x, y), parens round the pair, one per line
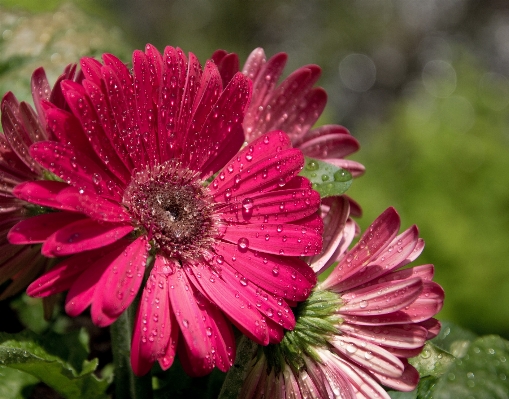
(15, 384)
(454, 339)
(432, 361)
(326, 178)
(41, 357)
(482, 373)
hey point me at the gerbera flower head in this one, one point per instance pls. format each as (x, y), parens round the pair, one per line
(294, 106)
(358, 328)
(22, 126)
(151, 171)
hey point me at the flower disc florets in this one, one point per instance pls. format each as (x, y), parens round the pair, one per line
(171, 204)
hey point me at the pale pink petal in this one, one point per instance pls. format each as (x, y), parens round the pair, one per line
(399, 336)
(334, 227)
(406, 382)
(374, 240)
(37, 229)
(356, 169)
(83, 235)
(334, 144)
(368, 355)
(381, 298)
(254, 63)
(391, 258)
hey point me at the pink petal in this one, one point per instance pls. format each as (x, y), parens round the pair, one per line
(263, 175)
(356, 169)
(227, 292)
(33, 127)
(82, 108)
(374, 240)
(192, 313)
(99, 99)
(81, 294)
(368, 355)
(173, 75)
(285, 277)
(76, 168)
(91, 69)
(62, 276)
(83, 235)
(381, 298)
(228, 66)
(279, 239)
(42, 192)
(283, 206)
(433, 326)
(218, 126)
(120, 283)
(144, 106)
(424, 272)
(38, 228)
(94, 206)
(154, 328)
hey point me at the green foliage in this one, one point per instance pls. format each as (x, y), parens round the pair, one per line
(327, 179)
(57, 360)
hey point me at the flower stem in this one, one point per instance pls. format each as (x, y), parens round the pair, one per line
(238, 372)
(127, 385)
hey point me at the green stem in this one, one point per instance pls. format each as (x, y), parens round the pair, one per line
(127, 385)
(235, 377)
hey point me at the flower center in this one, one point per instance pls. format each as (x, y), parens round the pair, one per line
(170, 203)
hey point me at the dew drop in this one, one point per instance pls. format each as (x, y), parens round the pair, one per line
(243, 281)
(363, 304)
(312, 165)
(243, 243)
(342, 175)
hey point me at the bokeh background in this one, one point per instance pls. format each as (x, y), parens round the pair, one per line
(422, 84)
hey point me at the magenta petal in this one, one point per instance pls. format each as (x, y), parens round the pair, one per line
(75, 168)
(381, 298)
(154, 329)
(120, 283)
(38, 228)
(405, 383)
(279, 239)
(283, 206)
(81, 294)
(226, 291)
(93, 205)
(273, 142)
(62, 276)
(192, 319)
(330, 146)
(289, 278)
(42, 192)
(83, 235)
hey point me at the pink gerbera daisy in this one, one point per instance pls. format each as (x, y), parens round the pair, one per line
(151, 173)
(22, 127)
(358, 328)
(293, 106)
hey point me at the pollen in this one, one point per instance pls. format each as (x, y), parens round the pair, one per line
(170, 203)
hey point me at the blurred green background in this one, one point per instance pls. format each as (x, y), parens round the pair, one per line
(422, 84)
